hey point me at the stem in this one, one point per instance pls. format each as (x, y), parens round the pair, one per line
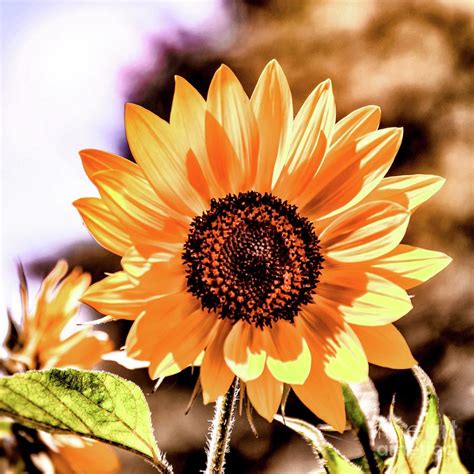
(221, 429)
(364, 440)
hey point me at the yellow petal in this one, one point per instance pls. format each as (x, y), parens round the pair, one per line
(135, 206)
(312, 129)
(385, 346)
(288, 355)
(154, 146)
(103, 225)
(228, 103)
(117, 296)
(353, 170)
(363, 298)
(409, 191)
(273, 107)
(265, 394)
(355, 125)
(244, 351)
(330, 337)
(365, 232)
(409, 266)
(216, 376)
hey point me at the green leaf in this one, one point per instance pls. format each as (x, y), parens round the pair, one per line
(398, 464)
(334, 462)
(98, 405)
(428, 429)
(449, 461)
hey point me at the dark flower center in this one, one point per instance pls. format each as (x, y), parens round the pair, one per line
(252, 257)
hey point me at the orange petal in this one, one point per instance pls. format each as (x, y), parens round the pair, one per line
(117, 296)
(188, 119)
(409, 191)
(103, 225)
(163, 277)
(84, 455)
(363, 298)
(265, 394)
(154, 146)
(97, 160)
(182, 345)
(273, 107)
(385, 346)
(288, 356)
(135, 207)
(227, 167)
(136, 265)
(160, 318)
(332, 339)
(57, 302)
(353, 170)
(355, 125)
(365, 232)
(216, 376)
(228, 103)
(312, 129)
(244, 351)
(323, 396)
(82, 350)
(124, 297)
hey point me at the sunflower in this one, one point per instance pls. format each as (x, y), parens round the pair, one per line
(258, 244)
(40, 343)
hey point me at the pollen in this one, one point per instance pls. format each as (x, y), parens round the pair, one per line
(252, 257)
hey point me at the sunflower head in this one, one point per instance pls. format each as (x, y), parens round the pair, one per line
(259, 244)
(251, 257)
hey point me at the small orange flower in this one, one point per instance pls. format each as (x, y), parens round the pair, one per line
(40, 344)
(258, 244)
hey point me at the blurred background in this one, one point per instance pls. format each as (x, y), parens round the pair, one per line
(67, 70)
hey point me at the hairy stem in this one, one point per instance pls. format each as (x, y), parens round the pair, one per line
(221, 429)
